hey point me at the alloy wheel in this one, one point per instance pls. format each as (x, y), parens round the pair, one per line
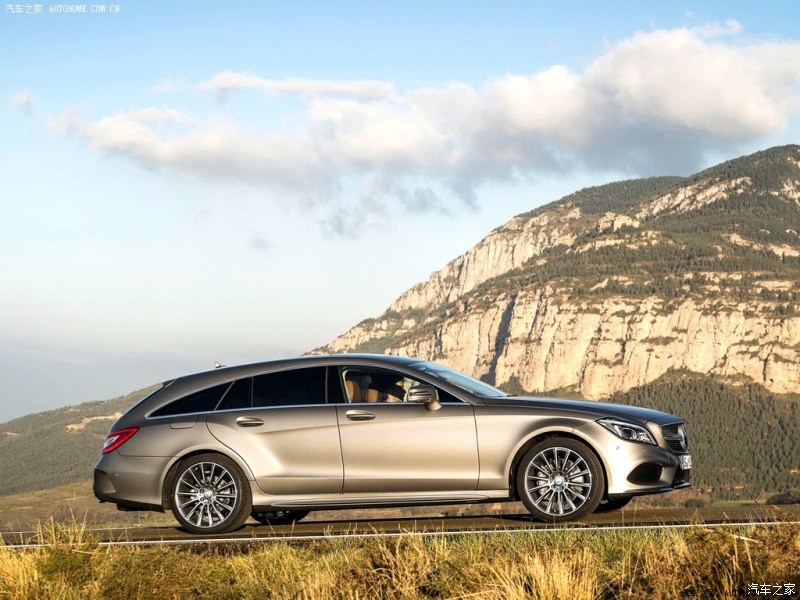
(558, 481)
(206, 494)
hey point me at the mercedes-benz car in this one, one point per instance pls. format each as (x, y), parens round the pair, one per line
(278, 439)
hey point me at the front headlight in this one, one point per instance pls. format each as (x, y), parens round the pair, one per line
(628, 431)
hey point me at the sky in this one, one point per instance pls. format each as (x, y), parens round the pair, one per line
(184, 183)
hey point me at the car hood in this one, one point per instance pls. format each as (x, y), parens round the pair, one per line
(600, 409)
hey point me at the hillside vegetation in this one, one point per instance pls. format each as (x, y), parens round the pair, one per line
(47, 449)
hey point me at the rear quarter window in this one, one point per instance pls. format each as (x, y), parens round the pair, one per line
(202, 401)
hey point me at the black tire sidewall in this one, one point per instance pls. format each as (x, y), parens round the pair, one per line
(244, 500)
(595, 468)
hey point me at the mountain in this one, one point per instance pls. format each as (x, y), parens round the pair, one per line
(636, 290)
(613, 286)
(54, 447)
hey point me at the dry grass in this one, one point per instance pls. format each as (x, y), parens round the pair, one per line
(572, 564)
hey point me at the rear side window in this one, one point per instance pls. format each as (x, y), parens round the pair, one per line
(238, 396)
(202, 401)
(290, 388)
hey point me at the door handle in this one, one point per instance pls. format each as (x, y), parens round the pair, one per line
(359, 415)
(249, 421)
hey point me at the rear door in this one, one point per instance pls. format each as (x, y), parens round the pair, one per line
(282, 426)
(389, 445)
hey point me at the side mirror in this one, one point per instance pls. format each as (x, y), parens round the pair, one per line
(424, 394)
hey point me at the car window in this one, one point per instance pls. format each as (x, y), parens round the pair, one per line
(239, 395)
(202, 401)
(290, 388)
(465, 382)
(368, 384)
(335, 389)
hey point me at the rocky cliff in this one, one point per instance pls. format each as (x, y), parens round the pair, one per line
(613, 286)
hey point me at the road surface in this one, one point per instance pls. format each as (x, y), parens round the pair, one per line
(633, 518)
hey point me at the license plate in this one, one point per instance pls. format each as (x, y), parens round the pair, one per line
(686, 461)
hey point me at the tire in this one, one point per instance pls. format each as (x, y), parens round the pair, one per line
(613, 504)
(279, 517)
(209, 494)
(560, 479)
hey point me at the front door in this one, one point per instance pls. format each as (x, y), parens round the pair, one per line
(389, 445)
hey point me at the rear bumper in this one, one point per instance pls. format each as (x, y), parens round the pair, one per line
(132, 483)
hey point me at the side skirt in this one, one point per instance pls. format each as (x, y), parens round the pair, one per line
(313, 502)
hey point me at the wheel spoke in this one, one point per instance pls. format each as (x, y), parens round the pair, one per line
(542, 497)
(539, 487)
(197, 511)
(547, 467)
(197, 481)
(560, 481)
(580, 484)
(216, 510)
(550, 502)
(211, 475)
(205, 494)
(580, 474)
(191, 486)
(577, 495)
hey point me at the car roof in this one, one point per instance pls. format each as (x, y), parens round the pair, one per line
(225, 373)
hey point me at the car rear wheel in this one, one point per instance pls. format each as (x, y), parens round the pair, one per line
(279, 517)
(560, 479)
(210, 494)
(613, 504)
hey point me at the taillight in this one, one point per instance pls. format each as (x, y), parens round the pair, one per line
(115, 439)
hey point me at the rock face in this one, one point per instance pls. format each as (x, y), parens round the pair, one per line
(611, 287)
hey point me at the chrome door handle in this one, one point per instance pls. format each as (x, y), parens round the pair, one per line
(249, 421)
(359, 415)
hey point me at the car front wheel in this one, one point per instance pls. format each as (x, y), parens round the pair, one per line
(560, 479)
(279, 517)
(210, 494)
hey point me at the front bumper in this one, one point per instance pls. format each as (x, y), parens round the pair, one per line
(635, 468)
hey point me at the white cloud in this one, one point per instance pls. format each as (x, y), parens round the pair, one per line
(229, 81)
(169, 85)
(22, 100)
(656, 102)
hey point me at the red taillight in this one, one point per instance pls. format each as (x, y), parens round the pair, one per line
(115, 439)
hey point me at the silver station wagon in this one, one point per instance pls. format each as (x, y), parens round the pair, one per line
(278, 439)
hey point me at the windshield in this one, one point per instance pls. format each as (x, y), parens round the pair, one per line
(465, 382)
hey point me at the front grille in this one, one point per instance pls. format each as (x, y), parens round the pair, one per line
(675, 445)
(675, 436)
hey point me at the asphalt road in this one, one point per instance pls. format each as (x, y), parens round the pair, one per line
(632, 518)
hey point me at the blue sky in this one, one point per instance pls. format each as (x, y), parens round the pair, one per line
(185, 183)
